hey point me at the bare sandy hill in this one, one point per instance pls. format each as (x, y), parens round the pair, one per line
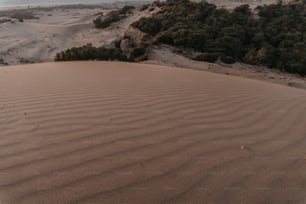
(106, 132)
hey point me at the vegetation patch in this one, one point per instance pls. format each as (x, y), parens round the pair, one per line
(20, 15)
(228, 59)
(272, 35)
(88, 52)
(207, 57)
(112, 17)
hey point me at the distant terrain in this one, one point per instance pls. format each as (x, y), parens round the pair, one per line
(197, 33)
(270, 35)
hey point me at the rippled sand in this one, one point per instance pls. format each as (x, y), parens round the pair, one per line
(105, 132)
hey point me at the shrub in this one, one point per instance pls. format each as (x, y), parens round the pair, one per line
(88, 52)
(139, 53)
(227, 59)
(112, 17)
(208, 57)
(144, 7)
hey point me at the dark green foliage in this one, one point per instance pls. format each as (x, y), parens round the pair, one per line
(144, 7)
(149, 25)
(275, 37)
(208, 57)
(137, 52)
(117, 44)
(88, 52)
(228, 59)
(112, 17)
(158, 3)
(125, 10)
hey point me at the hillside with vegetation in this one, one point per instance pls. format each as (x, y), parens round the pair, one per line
(271, 35)
(274, 36)
(112, 17)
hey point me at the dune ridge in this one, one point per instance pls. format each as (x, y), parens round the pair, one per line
(109, 132)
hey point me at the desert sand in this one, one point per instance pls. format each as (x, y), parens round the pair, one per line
(170, 56)
(108, 132)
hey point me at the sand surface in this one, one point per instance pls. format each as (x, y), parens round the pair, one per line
(170, 56)
(106, 132)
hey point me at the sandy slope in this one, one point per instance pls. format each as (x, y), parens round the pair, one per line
(167, 55)
(38, 40)
(102, 132)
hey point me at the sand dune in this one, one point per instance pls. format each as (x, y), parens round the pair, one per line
(106, 132)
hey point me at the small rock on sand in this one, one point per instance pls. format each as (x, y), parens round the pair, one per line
(243, 147)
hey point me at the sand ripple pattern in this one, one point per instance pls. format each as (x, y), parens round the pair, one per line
(74, 133)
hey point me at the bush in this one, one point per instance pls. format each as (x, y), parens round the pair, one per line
(208, 57)
(144, 7)
(227, 59)
(112, 17)
(150, 26)
(88, 52)
(139, 53)
(106, 22)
